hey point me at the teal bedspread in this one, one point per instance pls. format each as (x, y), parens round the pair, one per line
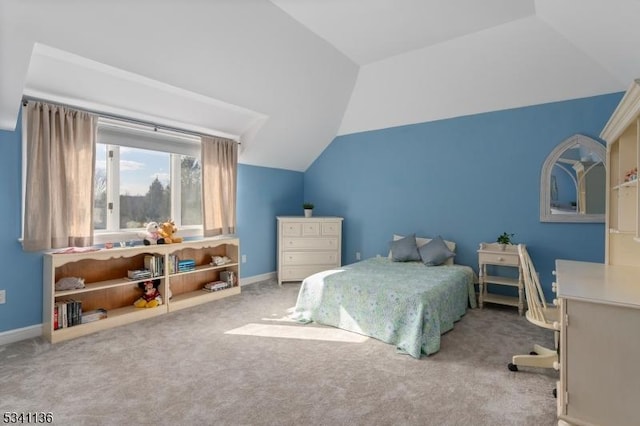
(406, 304)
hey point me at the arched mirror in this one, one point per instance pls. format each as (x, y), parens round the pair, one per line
(572, 183)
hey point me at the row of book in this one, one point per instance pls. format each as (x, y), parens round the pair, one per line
(68, 313)
(153, 267)
(180, 265)
(154, 264)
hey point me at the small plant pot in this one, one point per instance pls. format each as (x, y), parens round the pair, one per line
(308, 212)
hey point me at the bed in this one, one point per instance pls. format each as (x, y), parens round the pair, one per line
(406, 304)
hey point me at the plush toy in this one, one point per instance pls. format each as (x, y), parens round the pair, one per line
(167, 231)
(150, 295)
(151, 235)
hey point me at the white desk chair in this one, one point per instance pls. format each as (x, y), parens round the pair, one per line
(537, 313)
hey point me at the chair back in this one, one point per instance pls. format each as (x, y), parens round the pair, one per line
(536, 304)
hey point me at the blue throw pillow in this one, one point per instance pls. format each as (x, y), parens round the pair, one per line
(405, 249)
(435, 252)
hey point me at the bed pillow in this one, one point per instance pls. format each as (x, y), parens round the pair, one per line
(435, 252)
(422, 241)
(405, 249)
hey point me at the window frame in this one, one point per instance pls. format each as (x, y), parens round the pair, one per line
(150, 138)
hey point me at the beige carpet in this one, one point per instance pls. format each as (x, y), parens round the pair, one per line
(239, 361)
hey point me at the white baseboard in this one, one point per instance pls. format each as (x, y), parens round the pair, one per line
(18, 334)
(258, 278)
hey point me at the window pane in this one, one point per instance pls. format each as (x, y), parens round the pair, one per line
(145, 193)
(100, 188)
(190, 191)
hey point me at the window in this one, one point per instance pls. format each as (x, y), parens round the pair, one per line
(144, 174)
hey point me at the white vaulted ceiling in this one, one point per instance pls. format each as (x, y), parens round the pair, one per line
(287, 76)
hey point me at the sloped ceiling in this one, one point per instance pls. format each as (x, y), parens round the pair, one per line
(296, 73)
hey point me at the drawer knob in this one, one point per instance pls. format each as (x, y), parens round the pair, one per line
(554, 287)
(556, 365)
(553, 272)
(501, 259)
(556, 325)
(555, 302)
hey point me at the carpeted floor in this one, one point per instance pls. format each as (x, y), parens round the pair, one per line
(238, 361)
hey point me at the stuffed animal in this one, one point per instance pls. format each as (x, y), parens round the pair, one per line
(150, 295)
(167, 231)
(151, 235)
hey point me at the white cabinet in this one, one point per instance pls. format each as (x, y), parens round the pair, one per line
(599, 345)
(307, 246)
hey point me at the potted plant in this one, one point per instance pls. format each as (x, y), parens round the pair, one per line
(504, 239)
(308, 208)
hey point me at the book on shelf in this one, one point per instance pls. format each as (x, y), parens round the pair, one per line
(55, 317)
(215, 286)
(94, 315)
(154, 264)
(186, 265)
(138, 274)
(67, 313)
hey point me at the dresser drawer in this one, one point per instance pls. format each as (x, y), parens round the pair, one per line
(508, 259)
(311, 229)
(299, 273)
(310, 258)
(292, 243)
(291, 229)
(331, 228)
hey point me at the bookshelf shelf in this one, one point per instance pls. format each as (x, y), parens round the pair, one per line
(203, 268)
(107, 287)
(197, 297)
(100, 285)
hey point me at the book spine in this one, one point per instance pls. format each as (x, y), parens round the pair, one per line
(55, 317)
(63, 317)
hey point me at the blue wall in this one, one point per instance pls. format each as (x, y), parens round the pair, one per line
(468, 179)
(263, 193)
(21, 272)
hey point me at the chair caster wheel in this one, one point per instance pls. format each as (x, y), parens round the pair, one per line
(533, 353)
(555, 393)
(512, 367)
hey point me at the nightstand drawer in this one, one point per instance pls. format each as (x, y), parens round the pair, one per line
(507, 259)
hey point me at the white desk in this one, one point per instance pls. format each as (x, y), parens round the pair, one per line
(599, 343)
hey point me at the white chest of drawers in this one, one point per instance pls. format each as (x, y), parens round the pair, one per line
(307, 246)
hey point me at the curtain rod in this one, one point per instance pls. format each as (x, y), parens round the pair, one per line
(27, 99)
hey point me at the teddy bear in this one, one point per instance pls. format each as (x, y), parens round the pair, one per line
(151, 235)
(150, 295)
(167, 231)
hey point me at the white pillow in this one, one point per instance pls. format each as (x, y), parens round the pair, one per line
(422, 241)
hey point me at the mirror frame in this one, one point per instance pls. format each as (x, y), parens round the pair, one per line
(545, 181)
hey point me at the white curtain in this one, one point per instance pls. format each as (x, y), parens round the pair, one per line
(219, 180)
(59, 177)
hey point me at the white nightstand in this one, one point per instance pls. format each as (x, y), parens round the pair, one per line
(499, 255)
